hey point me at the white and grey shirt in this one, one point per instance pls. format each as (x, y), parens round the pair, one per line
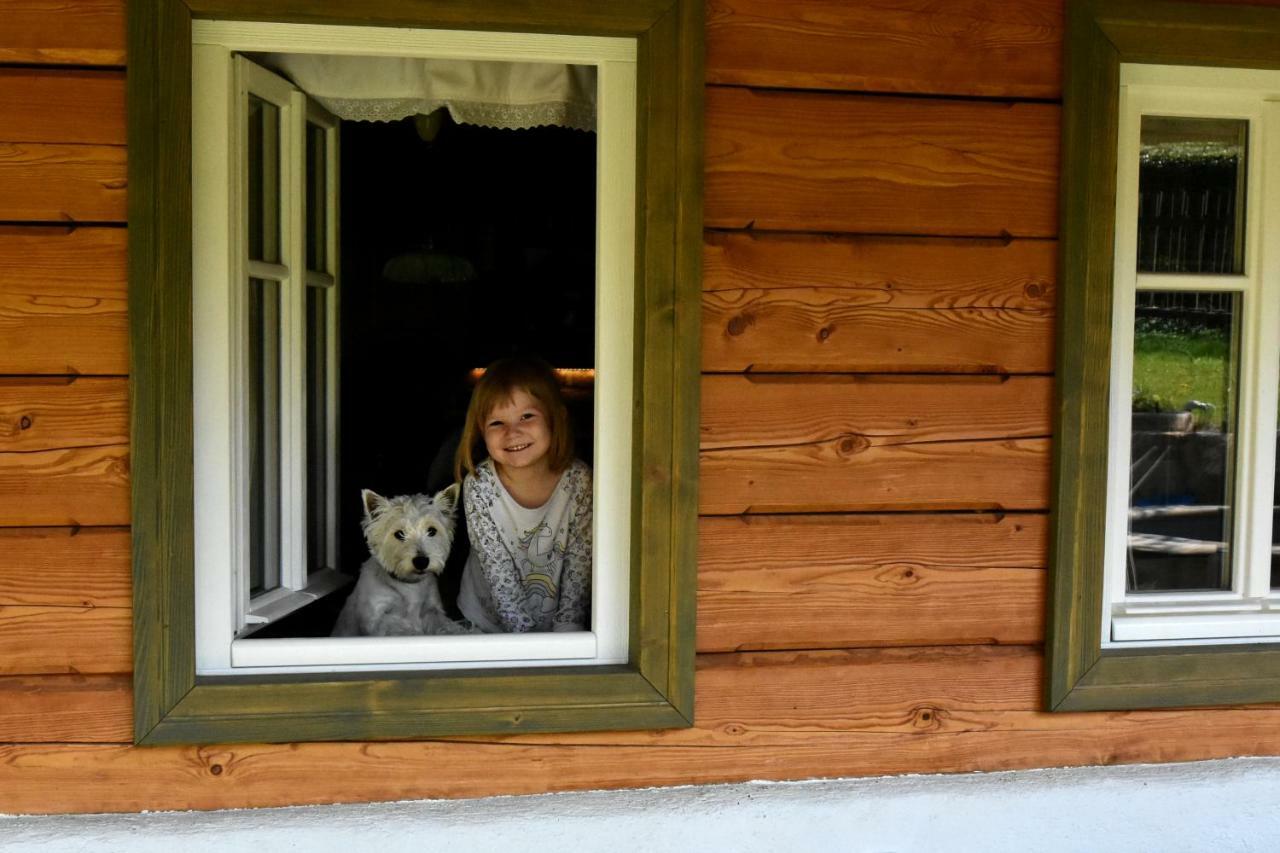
(529, 568)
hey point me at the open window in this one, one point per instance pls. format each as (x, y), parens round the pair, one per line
(1169, 360)
(510, 229)
(319, 281)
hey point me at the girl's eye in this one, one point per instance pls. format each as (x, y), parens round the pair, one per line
(431, 531)
(400, 535)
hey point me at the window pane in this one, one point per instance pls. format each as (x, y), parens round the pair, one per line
(264, 435)
(317, 431)
(1191, 195)
(1185, 364)
(264, 181)
(316, 223)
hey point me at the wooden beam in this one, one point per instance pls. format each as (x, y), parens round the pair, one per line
(820, 162)
(65, 566)
(54, 413)
(66, 709)
(891, 272)
(62, 183)
(832, 581)
(71, 487)
(964, 47)
(806, 330)
(760, 716)
(63, 32)
(744, 412)
(56, 105)
(849, 444)
(63, 300)
(64, 640)
(854, 473)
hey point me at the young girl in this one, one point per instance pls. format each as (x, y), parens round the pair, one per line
(528, 505)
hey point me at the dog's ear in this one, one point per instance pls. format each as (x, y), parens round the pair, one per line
(372, 502)
(447, 500)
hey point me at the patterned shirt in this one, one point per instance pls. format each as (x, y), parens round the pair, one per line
(529, 568)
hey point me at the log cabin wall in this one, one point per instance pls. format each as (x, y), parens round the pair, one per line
(881, 202)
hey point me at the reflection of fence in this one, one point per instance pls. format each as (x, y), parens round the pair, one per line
(1197, 309)
(1188, 215)
(1186, 301)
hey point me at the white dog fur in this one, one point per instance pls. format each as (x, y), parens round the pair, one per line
(397, 595)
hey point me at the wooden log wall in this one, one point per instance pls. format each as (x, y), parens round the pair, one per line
(881, 197)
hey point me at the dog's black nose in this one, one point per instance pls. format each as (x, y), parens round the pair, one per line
(420, 563)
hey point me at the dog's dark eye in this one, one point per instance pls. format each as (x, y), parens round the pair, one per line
(431, 531)
(400, 535)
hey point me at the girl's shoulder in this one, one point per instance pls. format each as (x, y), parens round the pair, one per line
(577, 476)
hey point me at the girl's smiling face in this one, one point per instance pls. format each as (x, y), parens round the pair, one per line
(516, 433)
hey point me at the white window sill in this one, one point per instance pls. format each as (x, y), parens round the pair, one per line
(357, 654)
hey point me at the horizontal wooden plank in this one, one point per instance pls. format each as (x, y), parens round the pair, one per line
(64, 640)
(63, 32)
(775, 444)
(761, 716)
(57, 105)
(961, 47)
(887, 272)
(63, 300)
(52, 183)
(786, 302)
(53, 413)
(806, 330)
(831, 581)
(880, 165)
(66, 709)
(72, 487)
(66, 566)
(857, 474)
(784, 411)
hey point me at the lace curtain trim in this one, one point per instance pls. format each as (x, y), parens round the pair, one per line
(579, 116)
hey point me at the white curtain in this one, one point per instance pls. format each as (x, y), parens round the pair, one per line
(493, 94)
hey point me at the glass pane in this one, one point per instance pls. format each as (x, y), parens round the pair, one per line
(1185, 364)
(317, 431)
(316, 224)
(264, 181)
(1191, 195)
(264, 435)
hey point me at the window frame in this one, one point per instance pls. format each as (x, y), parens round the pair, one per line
(654, 689)
(1247, 608)
(1082, 675)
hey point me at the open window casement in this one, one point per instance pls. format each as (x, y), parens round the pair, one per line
(265, 309)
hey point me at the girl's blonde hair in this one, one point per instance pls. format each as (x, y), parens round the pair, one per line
(498, 384)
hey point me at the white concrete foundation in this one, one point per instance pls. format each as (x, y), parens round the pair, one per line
(1216, 806)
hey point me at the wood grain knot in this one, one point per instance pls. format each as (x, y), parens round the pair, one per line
(1035, 290)
(735, 729)
(215, 769)
(25, 423)
(824, 333)
(926, 718)
(852, 444)
(739, 324)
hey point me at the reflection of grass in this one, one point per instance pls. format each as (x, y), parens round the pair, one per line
(1174, 363)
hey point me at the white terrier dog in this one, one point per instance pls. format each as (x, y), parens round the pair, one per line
(397, 595)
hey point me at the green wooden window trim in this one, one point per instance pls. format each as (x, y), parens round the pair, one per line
(1102, 34)
(655, 688)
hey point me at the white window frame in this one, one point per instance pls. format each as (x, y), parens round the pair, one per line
(219, 443)
(1250, 611)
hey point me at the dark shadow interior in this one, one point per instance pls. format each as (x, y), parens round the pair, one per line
(456, 251)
